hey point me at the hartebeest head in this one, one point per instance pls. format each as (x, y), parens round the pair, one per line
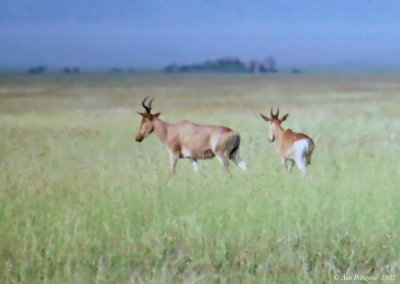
(146, 126)
(274, 121)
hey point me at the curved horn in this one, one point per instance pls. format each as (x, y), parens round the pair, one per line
(149, 104)
(277, 113)
(272, 113)
(144, 105)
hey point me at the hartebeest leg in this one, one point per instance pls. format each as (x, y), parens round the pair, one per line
(238, 161)
(308, 159)
(172, 166)
(301, 164)
(195, 165)
(173, 159)
(290, 166)
(284, 164)
(287, 164)
(224, 162)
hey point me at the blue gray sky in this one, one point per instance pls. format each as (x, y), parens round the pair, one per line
(151, 33)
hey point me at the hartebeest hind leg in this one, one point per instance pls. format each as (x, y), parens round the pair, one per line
(302, 164)
(235, 157)
(223, 159)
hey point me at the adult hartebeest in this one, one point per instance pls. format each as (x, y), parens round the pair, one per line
(293, 147)
(186, 139)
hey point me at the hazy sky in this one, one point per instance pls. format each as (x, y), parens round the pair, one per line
(154, 33)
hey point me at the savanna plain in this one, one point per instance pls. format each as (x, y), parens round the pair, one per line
(82, 202)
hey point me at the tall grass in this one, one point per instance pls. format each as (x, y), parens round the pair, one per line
(81, 202)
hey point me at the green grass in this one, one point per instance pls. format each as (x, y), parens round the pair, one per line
(81, 202)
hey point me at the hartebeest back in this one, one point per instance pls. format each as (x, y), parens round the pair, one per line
(293, 147)
(192, 141)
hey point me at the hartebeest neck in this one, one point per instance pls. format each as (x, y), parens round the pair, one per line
(160, 128)
(277, 131)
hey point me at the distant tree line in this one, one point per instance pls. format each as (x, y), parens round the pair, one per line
(221, 65)
(42, 69)
(226, 65)
(117, 70)
(37, 70)
(71, 70)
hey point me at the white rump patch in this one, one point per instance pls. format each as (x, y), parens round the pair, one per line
(301, 147)
(186, 152)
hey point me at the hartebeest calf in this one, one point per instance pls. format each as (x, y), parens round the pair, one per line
(193, 141)
(293, 147)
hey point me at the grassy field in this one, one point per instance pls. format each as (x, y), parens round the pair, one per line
(82, 202)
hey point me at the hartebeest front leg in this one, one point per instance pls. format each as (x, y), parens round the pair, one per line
(291, 165)
(195, 165)
(283, 161)
(172, 166)
(173, 159)
(287, 165)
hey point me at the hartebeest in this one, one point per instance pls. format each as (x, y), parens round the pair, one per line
(193, 141)
(293, 147)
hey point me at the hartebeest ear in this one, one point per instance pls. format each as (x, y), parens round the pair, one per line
(151, 116)
(284, 118)
(266, 118)
(146, 116)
